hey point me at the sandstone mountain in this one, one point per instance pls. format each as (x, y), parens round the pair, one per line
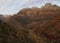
(41, 24)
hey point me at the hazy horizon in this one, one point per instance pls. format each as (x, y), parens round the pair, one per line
(13, 6)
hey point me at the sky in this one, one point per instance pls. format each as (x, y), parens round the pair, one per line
(9, 7)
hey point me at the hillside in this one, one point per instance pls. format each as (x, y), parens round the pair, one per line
(9, 34)
(41, 23)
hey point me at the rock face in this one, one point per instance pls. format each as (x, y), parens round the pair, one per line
(37, 12)
(41, 24)
(48, 5)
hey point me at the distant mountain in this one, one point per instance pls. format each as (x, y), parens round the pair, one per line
(27, 15)
(42, 23)
(35, 12)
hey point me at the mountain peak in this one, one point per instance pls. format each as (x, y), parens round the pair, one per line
(50, 6)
